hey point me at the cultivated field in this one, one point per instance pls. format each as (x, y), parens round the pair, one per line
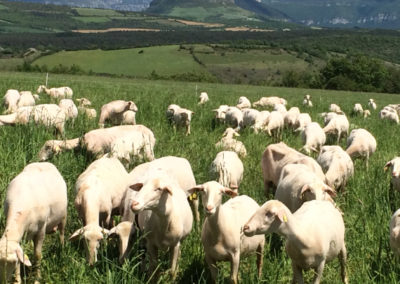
(367, 203)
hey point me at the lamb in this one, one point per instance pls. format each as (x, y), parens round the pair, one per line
(338, 125)
(222, 236)
(274, 124)
(291, 116)
(335, 108)
(83, 102)
(314, 234)
(234, 117)
(394, 165)
(220, 113)
(203, 98)
(26, 99)
(35, 205)
(69, 108)
(361, 144)
(358, 109)
(337, 165)
(249, 116)
(99, 191)
(313, 137)
(302, 120)
(227, 142)
(261, 120)
(11, 100)
(243, 103)
(372, 104)
(366, 113)
(276, 156)
(227, 169)
(390, 115)
(129, 117)
(90, 113)
(56, 93)
(297, 184)
(182, 118)
(307, 101)
(164, 215)
(394, 229)
(269, 102)
(113, 111)
(50, 115)
(54, 147)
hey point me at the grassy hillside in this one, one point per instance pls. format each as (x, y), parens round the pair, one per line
(367, 203)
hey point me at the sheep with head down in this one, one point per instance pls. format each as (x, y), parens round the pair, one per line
(114, 110)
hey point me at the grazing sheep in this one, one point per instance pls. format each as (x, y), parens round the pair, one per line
(291, 116)
(314, 234)
(222, 235)
(203, 98)
(269, 102)
(99, 192)
(328, 116)
(274, 124)
(313, 137)
(335, 108)
(394, 166)
(10, 101)
(90, 113)
(249, 116)
(261, 121)
(181, 117)
(164, 215)
(129, 117)
(220, 113)
(83, 102)
(234, 118)
(228, 143)
(114, 110)
(395, 233)
(35, 205)
(54, 147)
(307, 101)
(278, 155)
(338, 125)
(366, 113)
(243, 103)
(297, 184)
(26, 99)
(389, 114)
(170, 112)
(361, 144)
(69, 108)
(337, 165)
(372, 104)
(280, 108)
(358, 109)
(56, 93)
(302, 120)
(36, 97)
(227, 169)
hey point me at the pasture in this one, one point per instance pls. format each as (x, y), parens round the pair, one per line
(367, 202)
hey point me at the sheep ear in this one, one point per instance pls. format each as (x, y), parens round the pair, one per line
(76, 234)
(330, 191)
(230, 192)
(282, 216)
(167, 189)
(23, 258)
(386, 167)
(137, 186)
(304, 189)
(233, 186)
(196, 188)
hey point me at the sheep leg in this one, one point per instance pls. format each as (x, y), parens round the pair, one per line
(175, 252)
(61, 228)
(153, 255)
(297, 274)
(38, 243)
(260, 254)
(342, 260)
(235, 267)
(319, 270)
(17, 274)
(212, 265)
(187, 129)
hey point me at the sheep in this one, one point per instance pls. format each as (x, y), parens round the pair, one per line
(328, 116)
(358, 109)
(83, 102)
(26, 99)
(280, 108)
(274, 124)
(227, 169)
(203, 98)
(302, 120)
(243, 103)
(164, 215)
(394, 229)
(307, 101)
(389, 114)
(234, 118)
(291, 116)
(314, 234)
(372, 104)
(337, 165)
(129, 117)
(56, 93)
(113, 111)
(313, 137)
(228, 143)
(366, 113)
(10, 100)
(335, 108)
(172, 108)
(338, 125)
(361, 143)
(269, 102)
(261, 120)
(90, 113)
(249, 116)
(36, 97)
(220, 113)
(276, 156)
(54, 147)
(35, 205)
(69, 108)
(46, 114)
(222, 236)
(394, 165)
(99, 191)
(182, 118)
(177, 168)
(297, 184)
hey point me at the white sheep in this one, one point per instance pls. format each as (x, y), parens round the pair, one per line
(280, 108)
(220, 113)
(234, 117)
(361, 144)
(274, 124)
(389, 114)
(394, 229)
(261, 121)
(243, 103)
(269, 102)
(10, 100)
(129, 117)
(26, 99)
(57, 93)
(222, 235)
(313, 137)
(227, 169)
(180, 117)
(249, 116)
(339, 126)
(90, 113)
(203, 98)
(164, 215)
(114, 110)
(307, 101)
(358, 109)
(291, 116)
(302, 120)
(337, 165)
(366, 113)
(314, 234)
(372, 104)
(35, 205)
(394, 166)
(83, 102)
(54, 147)
(69, 108)
(335, 108)
(99, 191)
(328, 116)
(228, 143)
(297, 184)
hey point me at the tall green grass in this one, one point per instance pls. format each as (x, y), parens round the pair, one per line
(367, 203)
